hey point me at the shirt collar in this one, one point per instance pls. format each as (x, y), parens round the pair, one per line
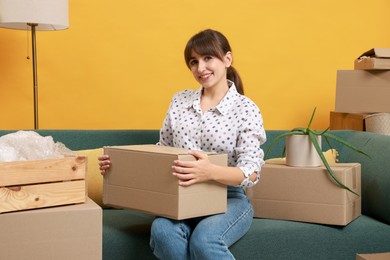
(226, 103)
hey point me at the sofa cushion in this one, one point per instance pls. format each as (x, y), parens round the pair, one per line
(126, 236)
(298, 240)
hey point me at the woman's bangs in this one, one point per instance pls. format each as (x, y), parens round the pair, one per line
(205, 48)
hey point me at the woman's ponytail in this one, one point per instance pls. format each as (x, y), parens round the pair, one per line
(233, 75)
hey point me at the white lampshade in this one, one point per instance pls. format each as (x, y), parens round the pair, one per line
(47, 14)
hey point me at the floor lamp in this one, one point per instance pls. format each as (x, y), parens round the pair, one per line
(34, 15)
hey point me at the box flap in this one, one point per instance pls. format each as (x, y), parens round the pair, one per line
(151, 148)
(376, 256)
(377, 52)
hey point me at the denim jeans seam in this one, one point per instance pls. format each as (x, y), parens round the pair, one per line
(246, 212)
(184, 234)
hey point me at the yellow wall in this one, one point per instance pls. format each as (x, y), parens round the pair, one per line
(119, 63)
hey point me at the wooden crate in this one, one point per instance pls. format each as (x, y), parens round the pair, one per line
(42, 183)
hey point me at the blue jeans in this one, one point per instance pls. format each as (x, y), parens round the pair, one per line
(206, 237)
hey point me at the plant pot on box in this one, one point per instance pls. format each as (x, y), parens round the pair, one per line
(300, 151)
(313, 138)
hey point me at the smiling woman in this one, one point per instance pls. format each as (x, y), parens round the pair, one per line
(206, 49)
(213, 118)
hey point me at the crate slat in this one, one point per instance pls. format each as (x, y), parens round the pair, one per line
(42, 195)
(41, 171)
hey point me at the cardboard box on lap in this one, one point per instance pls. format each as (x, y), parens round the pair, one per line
(374, 59)
(60, 233)
(141, 178)
(361, 91)
(307, 194)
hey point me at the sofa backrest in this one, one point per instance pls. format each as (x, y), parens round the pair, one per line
(90, 139)
(375, 170)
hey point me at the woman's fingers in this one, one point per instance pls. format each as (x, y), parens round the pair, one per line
(104, 163)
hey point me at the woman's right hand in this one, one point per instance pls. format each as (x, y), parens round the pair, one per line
(104, 163)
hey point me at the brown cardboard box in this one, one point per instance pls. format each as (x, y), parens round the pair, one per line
(307, 194)
(64, 232)
(374, 59)
(42, 183)
(378, 256)
(361, 91)
(141, 178)
(351, 121)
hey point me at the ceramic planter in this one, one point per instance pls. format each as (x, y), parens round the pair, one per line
(300, 151)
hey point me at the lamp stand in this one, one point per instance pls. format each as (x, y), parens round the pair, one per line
(35, 74)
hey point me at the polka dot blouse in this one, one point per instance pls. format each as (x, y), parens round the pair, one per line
(234, 126)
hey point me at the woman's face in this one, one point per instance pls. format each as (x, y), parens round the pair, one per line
(208, 70)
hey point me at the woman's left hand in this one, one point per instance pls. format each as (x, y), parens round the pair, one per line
(191, 172)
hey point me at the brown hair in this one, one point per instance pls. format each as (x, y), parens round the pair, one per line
(213, 43)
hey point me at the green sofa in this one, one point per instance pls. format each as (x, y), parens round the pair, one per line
(126, 232)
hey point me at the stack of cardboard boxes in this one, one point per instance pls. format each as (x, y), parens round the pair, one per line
(362, 94)
(308, 194)
(45, 212)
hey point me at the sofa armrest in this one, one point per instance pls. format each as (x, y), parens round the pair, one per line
(375, 171)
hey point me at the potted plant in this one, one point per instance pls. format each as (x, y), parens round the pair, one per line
(314, 137)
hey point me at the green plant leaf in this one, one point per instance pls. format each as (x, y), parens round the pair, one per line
(327, 141)
(300, 130)
(322, 132)
(292, 132)
(350, 146)
(316, 145)
(311, 119)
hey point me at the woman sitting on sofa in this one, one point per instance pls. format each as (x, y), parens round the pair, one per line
(216, 117)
